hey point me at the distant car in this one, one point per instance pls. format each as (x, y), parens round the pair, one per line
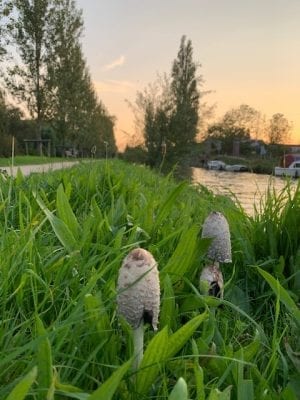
(216, 165)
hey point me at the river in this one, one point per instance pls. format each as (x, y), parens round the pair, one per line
(247, 187)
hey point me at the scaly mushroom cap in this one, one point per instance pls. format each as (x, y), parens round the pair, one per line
(138, 289)
(211, 281)
(216, 227)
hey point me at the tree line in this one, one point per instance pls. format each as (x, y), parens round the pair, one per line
(44, 69)
(171, 115)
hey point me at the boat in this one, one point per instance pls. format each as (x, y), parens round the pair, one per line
(216, 165)
(293, 170)
(237, 168)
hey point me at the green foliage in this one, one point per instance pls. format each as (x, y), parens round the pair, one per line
(52, 80)
(22, 388)
(279, 129)
(186, 97)
(63, 238)
(170, 108)
(180, 391)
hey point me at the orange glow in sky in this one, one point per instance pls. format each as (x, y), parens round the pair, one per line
(249, 52)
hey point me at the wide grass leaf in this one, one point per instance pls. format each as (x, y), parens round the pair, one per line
(215, 394)
(65, 212)
(183, 255)
(108, 388)
(168, 203)
(61, 230)
(180, 391)
(283, 295)
(183, 334)
(168, 308)
(20, 391)
(155, 354)
(44, 360)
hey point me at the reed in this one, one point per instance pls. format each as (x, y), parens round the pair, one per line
(63, 239)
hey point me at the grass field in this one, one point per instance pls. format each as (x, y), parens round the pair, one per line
(63, 240)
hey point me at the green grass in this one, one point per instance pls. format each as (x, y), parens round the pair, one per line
(63, 239)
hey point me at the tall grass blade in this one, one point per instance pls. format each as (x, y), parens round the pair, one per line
(183, 334)
(181, 259)
(21, 390)
(108, 388)
(168, 311)
(44, 362)
(168, 204)
(61, 230)
(155, 354)
(65, 212)
(283, 295)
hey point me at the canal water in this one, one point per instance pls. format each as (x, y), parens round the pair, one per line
(248, 188)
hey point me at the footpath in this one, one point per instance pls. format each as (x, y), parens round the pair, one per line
(41, 168)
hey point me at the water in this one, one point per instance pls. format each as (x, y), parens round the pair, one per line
(248, 188)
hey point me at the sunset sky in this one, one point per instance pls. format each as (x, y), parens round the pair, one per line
(249, 51)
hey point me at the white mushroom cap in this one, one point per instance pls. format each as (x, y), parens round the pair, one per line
(211, 281)
(138, 289)
(216, 227)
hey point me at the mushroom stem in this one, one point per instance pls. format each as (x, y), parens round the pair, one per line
(138, 345)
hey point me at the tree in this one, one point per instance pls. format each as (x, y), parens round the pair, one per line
(166, 112)
(247, 118)
(237, 124)
(66, 68)
(279, 129)
(10, 125)
(226, 135)
(186, 98)
(27, 79)
(79, 118)
(152, 109)
(5, 11)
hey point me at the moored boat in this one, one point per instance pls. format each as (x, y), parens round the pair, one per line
(293, 170)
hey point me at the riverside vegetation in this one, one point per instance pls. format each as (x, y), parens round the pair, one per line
(63, 238)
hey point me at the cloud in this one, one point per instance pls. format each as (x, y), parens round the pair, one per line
(114, 64)
(114, 86)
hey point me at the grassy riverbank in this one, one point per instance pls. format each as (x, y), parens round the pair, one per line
(62, 242)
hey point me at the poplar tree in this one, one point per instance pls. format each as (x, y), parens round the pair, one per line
(27, 78)
(186, 96)
(79, 118)
(66, 69)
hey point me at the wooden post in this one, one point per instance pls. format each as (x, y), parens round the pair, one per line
(12, 151)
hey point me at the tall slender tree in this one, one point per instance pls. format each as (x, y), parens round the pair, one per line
(79, 118)
(27, 78)
(184, 85)
(66, 67)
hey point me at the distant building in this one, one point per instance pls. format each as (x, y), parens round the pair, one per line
(288, 159)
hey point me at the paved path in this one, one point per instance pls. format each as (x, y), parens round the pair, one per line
(28, 169)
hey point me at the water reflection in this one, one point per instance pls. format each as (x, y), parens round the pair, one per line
(248, 188)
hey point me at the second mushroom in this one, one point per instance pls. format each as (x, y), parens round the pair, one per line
(211, 279)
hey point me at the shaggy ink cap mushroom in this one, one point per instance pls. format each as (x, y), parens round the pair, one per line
(211, 281)
(138, 289)
(216, 227)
